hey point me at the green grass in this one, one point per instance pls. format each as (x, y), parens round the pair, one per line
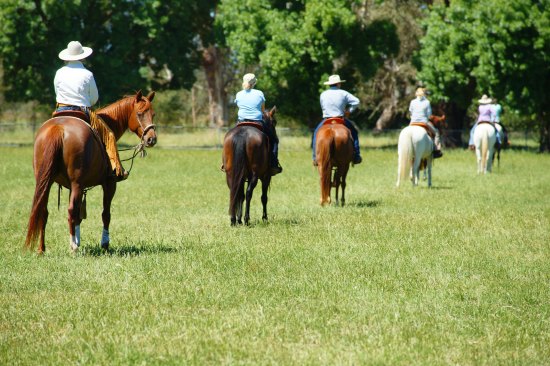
(457, 274)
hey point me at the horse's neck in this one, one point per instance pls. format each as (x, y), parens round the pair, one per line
(117, 115)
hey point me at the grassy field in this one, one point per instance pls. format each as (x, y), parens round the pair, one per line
(457, 274)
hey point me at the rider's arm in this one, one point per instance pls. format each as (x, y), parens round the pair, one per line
(352, 101)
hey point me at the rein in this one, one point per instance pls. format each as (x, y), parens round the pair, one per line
(139, 148)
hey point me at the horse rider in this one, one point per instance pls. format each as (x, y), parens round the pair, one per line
(420, 111)
(251, 103)
(76, 91)
(338, 103)
(486, 115)
(497, 110)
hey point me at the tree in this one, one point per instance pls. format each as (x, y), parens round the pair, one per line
(294, 46)
(495, 47)
(137, 44)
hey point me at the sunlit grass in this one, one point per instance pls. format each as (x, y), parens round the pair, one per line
(457, 274)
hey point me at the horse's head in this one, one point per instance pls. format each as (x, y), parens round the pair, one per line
(439, 122)
(269, 119)
(141, 120)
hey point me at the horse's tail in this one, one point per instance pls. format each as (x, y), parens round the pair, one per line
(238, 172)
(324, 151)
(484, 147)
(405, 155)
(44, 179)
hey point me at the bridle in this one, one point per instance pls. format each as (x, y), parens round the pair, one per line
(139, 148)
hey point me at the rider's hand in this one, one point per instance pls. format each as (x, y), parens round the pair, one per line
(346, 114)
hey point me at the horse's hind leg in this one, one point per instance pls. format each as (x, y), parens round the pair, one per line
(109, 190)
(252, 182)
(265, 186)
(75, 204)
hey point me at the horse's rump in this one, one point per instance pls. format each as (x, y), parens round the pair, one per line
(82, 153)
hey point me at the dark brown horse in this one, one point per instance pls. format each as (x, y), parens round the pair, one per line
(68, 152)
(246, 159)
(334, 151)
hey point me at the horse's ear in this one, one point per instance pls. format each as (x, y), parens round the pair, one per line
(139, 96)
(272, 111)
(151, 96)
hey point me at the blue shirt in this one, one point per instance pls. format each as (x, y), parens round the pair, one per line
(497, 111)
(420, 109)
(250, 104)
(335, 100)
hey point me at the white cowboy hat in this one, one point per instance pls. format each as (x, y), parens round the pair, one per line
(74, 52)
(485, 99)
(333, 79)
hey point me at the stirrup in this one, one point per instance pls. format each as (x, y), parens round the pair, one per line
(357, 160)
(437, 154)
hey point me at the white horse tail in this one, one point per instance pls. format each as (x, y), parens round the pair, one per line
(484, 147)
(405, 155)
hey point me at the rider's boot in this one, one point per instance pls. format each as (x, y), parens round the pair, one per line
(437, 154)
(275, 168)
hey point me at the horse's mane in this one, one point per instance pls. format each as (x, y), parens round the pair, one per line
(121, 110)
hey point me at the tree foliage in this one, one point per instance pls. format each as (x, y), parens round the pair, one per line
(495, 47)
(137, 44)
(294, 45)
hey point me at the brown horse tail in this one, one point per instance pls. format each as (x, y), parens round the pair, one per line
(325, 150)
(238, 171)
(44, 180)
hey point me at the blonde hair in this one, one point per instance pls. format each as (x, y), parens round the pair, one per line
(249, 80)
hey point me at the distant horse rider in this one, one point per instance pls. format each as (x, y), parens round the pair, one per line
(251, 103)
(497, 111)
(486, 115)
(76, 92)
(338, 103)
(420, 111)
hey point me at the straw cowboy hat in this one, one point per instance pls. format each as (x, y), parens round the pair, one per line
(74, 52)
(485, 99)
(420, 92)
(249, 80)
(333, 79)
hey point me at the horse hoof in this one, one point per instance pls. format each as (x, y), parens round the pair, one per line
(74, 247)
(105, 246)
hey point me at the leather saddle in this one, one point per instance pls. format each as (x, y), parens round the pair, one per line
(251, 124)
(424, 126)
(77, 114)
(334, 121)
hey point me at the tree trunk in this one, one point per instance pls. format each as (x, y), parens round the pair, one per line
(456, 117)
(213, 65)
(544, 140)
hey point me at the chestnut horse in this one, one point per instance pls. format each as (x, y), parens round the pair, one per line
(246, 158)
(68, 152)
(333, 151)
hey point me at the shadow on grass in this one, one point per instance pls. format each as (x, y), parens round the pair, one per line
(126, 250)
(362, 204)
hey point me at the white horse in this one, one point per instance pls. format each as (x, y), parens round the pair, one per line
(414, 147)
(484, 141)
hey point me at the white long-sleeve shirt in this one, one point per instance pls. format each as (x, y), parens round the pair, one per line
(75, 85)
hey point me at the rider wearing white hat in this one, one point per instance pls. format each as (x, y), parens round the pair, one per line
(76, 91)
(486, 115)
(338, 103)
